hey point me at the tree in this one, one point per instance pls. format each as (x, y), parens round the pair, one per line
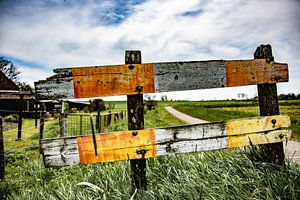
(164, 98)
(97, 105)
(9, 69)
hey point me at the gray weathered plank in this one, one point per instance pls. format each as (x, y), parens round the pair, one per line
(177, 76)
(60, 152)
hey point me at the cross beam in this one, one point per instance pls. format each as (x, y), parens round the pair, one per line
(148, 143)
(128, 79)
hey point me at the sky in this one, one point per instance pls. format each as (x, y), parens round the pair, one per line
(41, 35)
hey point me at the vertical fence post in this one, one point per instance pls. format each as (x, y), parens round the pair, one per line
(42, 121)
(109, 119)
(268, 105)
(2, 162)
(135, 110)
(36, 113)
(98, 121)
(80, 125)
(63, 124)
(20, 117)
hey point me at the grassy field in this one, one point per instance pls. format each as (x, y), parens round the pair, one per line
(224, 110)
(227, 174)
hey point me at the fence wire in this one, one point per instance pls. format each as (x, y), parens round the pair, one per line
(74, 124)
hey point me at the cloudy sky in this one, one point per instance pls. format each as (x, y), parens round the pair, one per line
(40, 35)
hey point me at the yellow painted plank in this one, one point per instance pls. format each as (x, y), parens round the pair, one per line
(118, 146)
(258, 124)
(258, 138)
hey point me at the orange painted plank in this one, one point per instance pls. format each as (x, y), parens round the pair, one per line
(119, 146)
(112, 80)
(253, 72)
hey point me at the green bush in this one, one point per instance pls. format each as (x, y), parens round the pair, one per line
(11, 118)
(73, 110)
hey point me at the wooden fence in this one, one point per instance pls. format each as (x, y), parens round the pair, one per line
(133, 79)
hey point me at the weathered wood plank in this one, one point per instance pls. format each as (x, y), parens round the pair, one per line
(166, 141)
(253, 72)
(129, 79)
(60, 152)
(268, 137)
(118, 146)
(256, 125)
(112, 80)
(189, 75)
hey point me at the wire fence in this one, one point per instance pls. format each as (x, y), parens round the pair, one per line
(74, 124)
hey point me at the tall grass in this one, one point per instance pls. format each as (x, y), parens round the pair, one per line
(211, 175)
(227, 174)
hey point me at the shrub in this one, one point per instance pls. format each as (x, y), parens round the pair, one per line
(12, 118)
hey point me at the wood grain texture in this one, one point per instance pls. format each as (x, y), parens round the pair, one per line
(112, 80)
(268, 105)
(135, 110)
(55, 87)
(177, 76)
(117, 146)
(158, 77)
(253, 72)
(60, 152)
(267, 137)
(256, 125)
(166, 141)
(191, 138)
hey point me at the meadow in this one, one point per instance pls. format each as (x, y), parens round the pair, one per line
(227, 174)
(225, 110)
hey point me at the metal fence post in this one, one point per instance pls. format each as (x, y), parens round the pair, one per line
(268, 105)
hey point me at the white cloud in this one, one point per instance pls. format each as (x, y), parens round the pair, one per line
(223, 29)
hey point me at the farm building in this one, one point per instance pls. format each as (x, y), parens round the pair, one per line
(10, 97)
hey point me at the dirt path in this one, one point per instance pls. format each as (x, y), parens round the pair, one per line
(183, 117)
(292, 149)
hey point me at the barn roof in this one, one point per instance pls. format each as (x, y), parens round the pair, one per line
(6, 84)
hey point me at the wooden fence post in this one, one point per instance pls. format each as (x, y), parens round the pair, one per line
(36, 113)
(109, 119)
(20, 117)
(42, 121)
(63, 124)
(268, 105)
(2, 162)
(135, 111)
(98, 121)
(80, 125)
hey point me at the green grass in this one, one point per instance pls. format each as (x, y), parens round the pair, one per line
(225, 110)
(227, 174)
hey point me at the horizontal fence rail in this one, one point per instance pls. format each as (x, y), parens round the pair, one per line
(100, 81)
(148, 143)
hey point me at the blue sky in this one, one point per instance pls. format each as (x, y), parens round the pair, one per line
(39, 36)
